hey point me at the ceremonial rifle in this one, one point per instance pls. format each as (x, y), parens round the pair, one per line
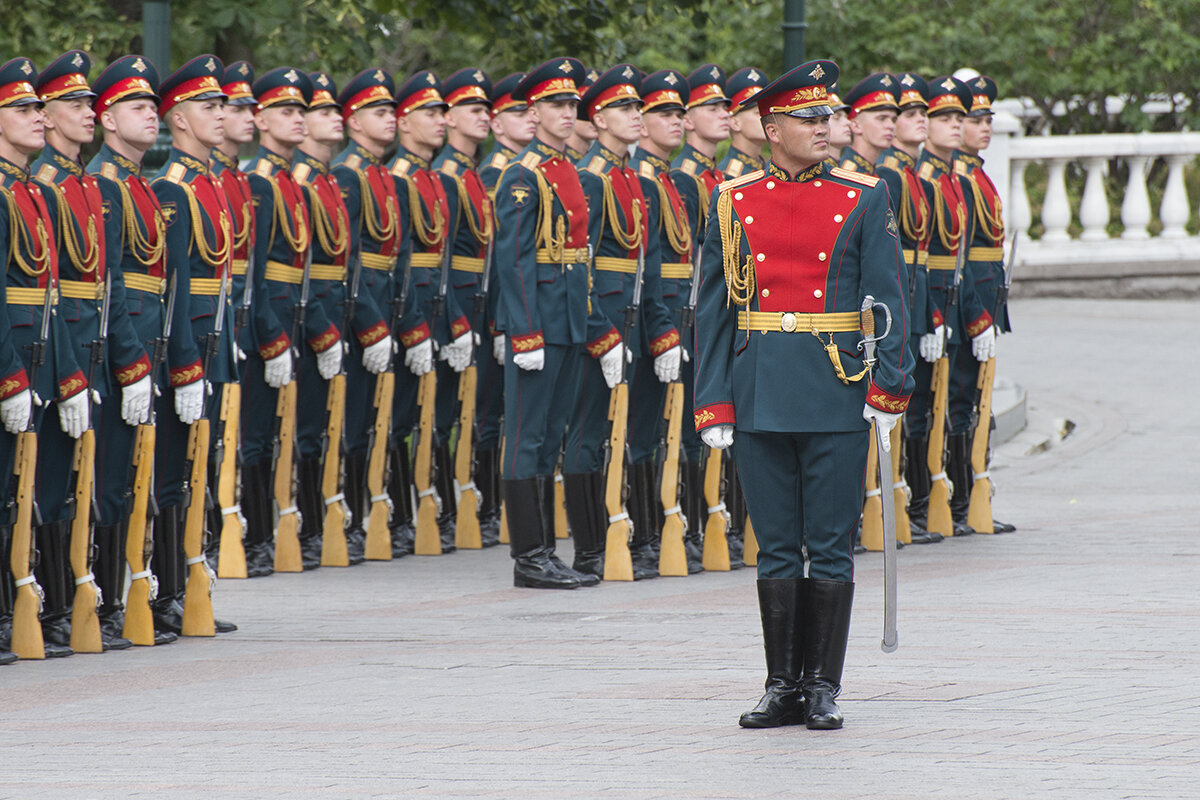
(882, 473)
(618, 563)
(334, 530)
(467, 535)
(197, 600)
(979, 513)
(429, 505)
(85, 624)
(139, 622)
(939, 518)
(287, 529)
(231, 558)
(26, 639)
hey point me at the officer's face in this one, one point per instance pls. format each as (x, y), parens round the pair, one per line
(555, 118)
(977, 132)
(284, 124)
(710, 122)
(23, 128)
(746, 122)
(425, 126)
(239, 124)
(376, 123)
(134, 122)
(878, 127)
(623, 122)
(797, 142)
(664, 129)
(946, 130)
(74, 120)
(324, 125)
(204, 119)
(471, 120)
(516, 126)
(839, 130)
(912, 126)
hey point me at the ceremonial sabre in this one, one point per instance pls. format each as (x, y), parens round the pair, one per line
(887, 499)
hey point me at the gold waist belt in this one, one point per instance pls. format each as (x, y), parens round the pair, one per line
(467, 264)
(677, 271)
(327, 272)
(284, 273)
(427, 260)
(19, 296)
(799, 322)
(985, 254)
(609, 264)
(239, 266)
(917, 257)
(79, 290)
(377, 261)
(145, 283)
(208, 286)
(570, 255)
(941, 262)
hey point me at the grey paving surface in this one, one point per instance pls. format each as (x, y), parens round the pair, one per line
(1060, 661)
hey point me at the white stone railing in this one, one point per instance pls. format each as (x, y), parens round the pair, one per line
(1131, 264)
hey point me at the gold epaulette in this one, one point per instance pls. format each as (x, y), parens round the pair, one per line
(596, 166)
(498, 160)
(176, 173)
(848, 166)
(301, 172)
(856, 177)
(109, 170)
(892, 163)
(960, 168)
(47, 173)
(735, 168)
(263, 168)
(925, 173)
(646, 169)
(353, 161)
(401, 167)
(742, 181)
(449, 167)
(530, 160)
(688, 166)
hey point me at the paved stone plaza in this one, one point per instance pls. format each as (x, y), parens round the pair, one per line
(1059, 661)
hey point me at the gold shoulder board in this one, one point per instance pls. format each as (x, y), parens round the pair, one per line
(354, 161)
(301, 172)
(263, 168)
(646, 169)
(856, 177)
(47, 173)
(498, 160)
(449, 167)
(401, 167)
(596, 166)
(176, 173)
(688, 166)
(749, 177)
(530, 160)
(925, 173)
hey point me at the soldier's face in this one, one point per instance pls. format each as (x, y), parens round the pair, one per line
(73, 119)
(710, 122)
(471, 120)
(946, 130)
(878, 127)
(426, 126)
(798, 142)
(623, 122)
(664, 129)
(376, 123)
(839, 130)
(284, 124)
(977, 132)
(556, 118)
(746, 122)
(23, 128)
(585, 130)
(204, 119)
(912, 126)
(134, 122)
(324, 125)
(517, 126)
(239, 124)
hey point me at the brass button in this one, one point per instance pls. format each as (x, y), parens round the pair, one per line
(817, 293)
(816, 183)
(571, 213)
(766, 292)
(761, 257)
(570, 267)
(737, 196)
(837, 217)
(749, 220)
(850, 193)
(820, 256)
(788, 322)
(770, 184)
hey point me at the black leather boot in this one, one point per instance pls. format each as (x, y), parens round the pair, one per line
(826, 628)
(447, 519)
(585, 503)
(260, 519)
(109, 570)
(780, 603)
(404, 532)
(916, 474)
(54, 575)
(170, 568)
(213, 518)
(641, 513)
(958, 467)
(7, 595)
(735, 503)
(546, 497)
(532, 567)
(355, 485)
(487, 479)
(693, 538)
(312, 510)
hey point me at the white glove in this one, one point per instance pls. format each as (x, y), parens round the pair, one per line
(533, 360)
(884, 421)
(135, 402)
(375, 357)
(15, 411)
(686, 357)
(419, 357)
(72, 414)
(931, 344)
(611, 364)
(458, 353)
(717, 437)
(666, 365)
(329, 361)
(983, 346)
(189, 401)
(277, 371)
(498, 343)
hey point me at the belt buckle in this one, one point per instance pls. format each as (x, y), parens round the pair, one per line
(788, 322)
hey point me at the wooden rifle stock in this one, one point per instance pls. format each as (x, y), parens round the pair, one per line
(287, 529)
(618, 563)
(872, 513)
(504, 539)
(562, 530)
(716, 546)
(979, 513)
(379, 535)
(672, 560)
(139, 622)
(467, 535)
(85, 624)
(27, 639)
(939, 520)
(900, 491)
(750, 544)
(429, 540)
(333, 534)
(197, 600)
(231, 561)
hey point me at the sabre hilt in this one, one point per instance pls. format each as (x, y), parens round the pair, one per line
(867, 325)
